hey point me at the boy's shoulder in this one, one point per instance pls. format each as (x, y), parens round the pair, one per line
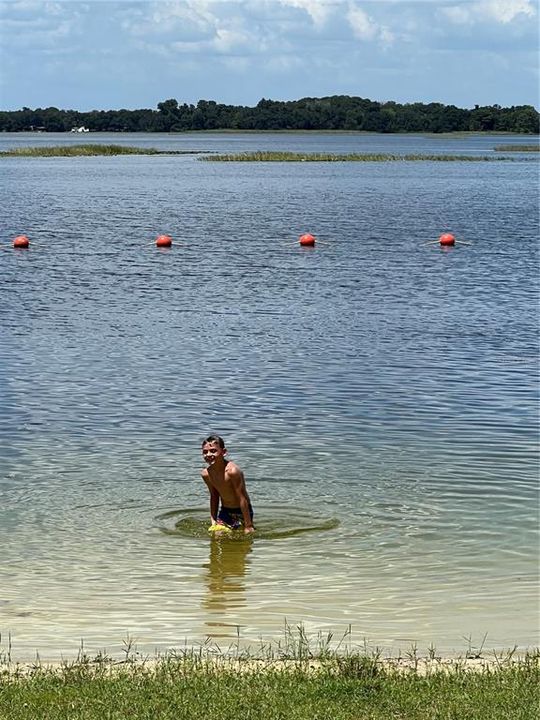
(232, 469)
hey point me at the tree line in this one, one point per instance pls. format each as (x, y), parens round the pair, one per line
(339, 112)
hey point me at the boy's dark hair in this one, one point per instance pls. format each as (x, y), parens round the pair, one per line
(214, 439)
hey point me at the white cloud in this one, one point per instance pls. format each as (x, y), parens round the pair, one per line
(318, 10)
(34, 25)
(362, 25)
(499, 11)
(187, 19)
(365, 27)
(165, 14)
(237, 49)
(245, 27)
(504, 11)
(227, 39)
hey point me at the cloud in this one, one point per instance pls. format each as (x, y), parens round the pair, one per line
(318, 10)
(498, 11)
(187, 20)
(242, 27)
(34, 25)
(239, 49)
(253, 26)
(365, 28)
(228, 39)
(361, 24)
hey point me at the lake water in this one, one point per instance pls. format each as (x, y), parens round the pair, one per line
(380, 393)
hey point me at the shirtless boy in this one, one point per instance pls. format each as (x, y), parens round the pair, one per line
(229, 502)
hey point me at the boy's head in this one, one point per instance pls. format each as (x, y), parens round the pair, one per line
(213, 447)
(215, 439)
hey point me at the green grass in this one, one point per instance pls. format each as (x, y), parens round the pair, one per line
(352, 687)
(90, 150)
(351, 157)
(283, 681)
(517, 148)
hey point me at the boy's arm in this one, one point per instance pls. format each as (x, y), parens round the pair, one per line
(214, 498)
(239, 485)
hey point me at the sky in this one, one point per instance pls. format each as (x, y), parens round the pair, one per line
(101, 54)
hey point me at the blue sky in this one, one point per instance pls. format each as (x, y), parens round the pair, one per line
(108, 55)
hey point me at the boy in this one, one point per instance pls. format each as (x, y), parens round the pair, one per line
(227, 488)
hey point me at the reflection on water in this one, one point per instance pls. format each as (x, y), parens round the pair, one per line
(227, 568)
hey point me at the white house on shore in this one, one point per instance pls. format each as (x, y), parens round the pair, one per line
(81, 129)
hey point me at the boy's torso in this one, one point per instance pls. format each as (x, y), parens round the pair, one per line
(220, 479)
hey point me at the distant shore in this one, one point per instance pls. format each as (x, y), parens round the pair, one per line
(331, 112)
(250, 131)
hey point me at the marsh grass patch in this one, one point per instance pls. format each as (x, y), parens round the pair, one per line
(517, 148)
(267, 156)
(91, 150)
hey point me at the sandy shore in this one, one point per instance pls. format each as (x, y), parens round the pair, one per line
(422, 666)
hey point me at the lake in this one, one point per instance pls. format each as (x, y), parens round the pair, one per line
(379, 392)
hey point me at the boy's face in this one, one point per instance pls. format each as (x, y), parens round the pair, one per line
(211, 452)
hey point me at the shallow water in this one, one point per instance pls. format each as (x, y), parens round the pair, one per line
(377, 388)
(275, 523)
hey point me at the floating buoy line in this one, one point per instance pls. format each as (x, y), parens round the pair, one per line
(447, 239)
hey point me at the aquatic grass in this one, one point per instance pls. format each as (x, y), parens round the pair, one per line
(90, 150)
(94, 150)
(268, 156)
(305, 679)
(517, 148)
(5, 652)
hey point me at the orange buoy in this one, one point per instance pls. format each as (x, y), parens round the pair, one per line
(307, 240)
(447, 239)
(21, 242)
(163, 241)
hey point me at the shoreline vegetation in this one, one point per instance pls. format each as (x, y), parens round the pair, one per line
(95, 150)
(91, 150)
(350, 157)
(289, 681)
(335, 112)
(517, 148)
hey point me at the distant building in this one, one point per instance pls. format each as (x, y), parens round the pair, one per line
(81, 129)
